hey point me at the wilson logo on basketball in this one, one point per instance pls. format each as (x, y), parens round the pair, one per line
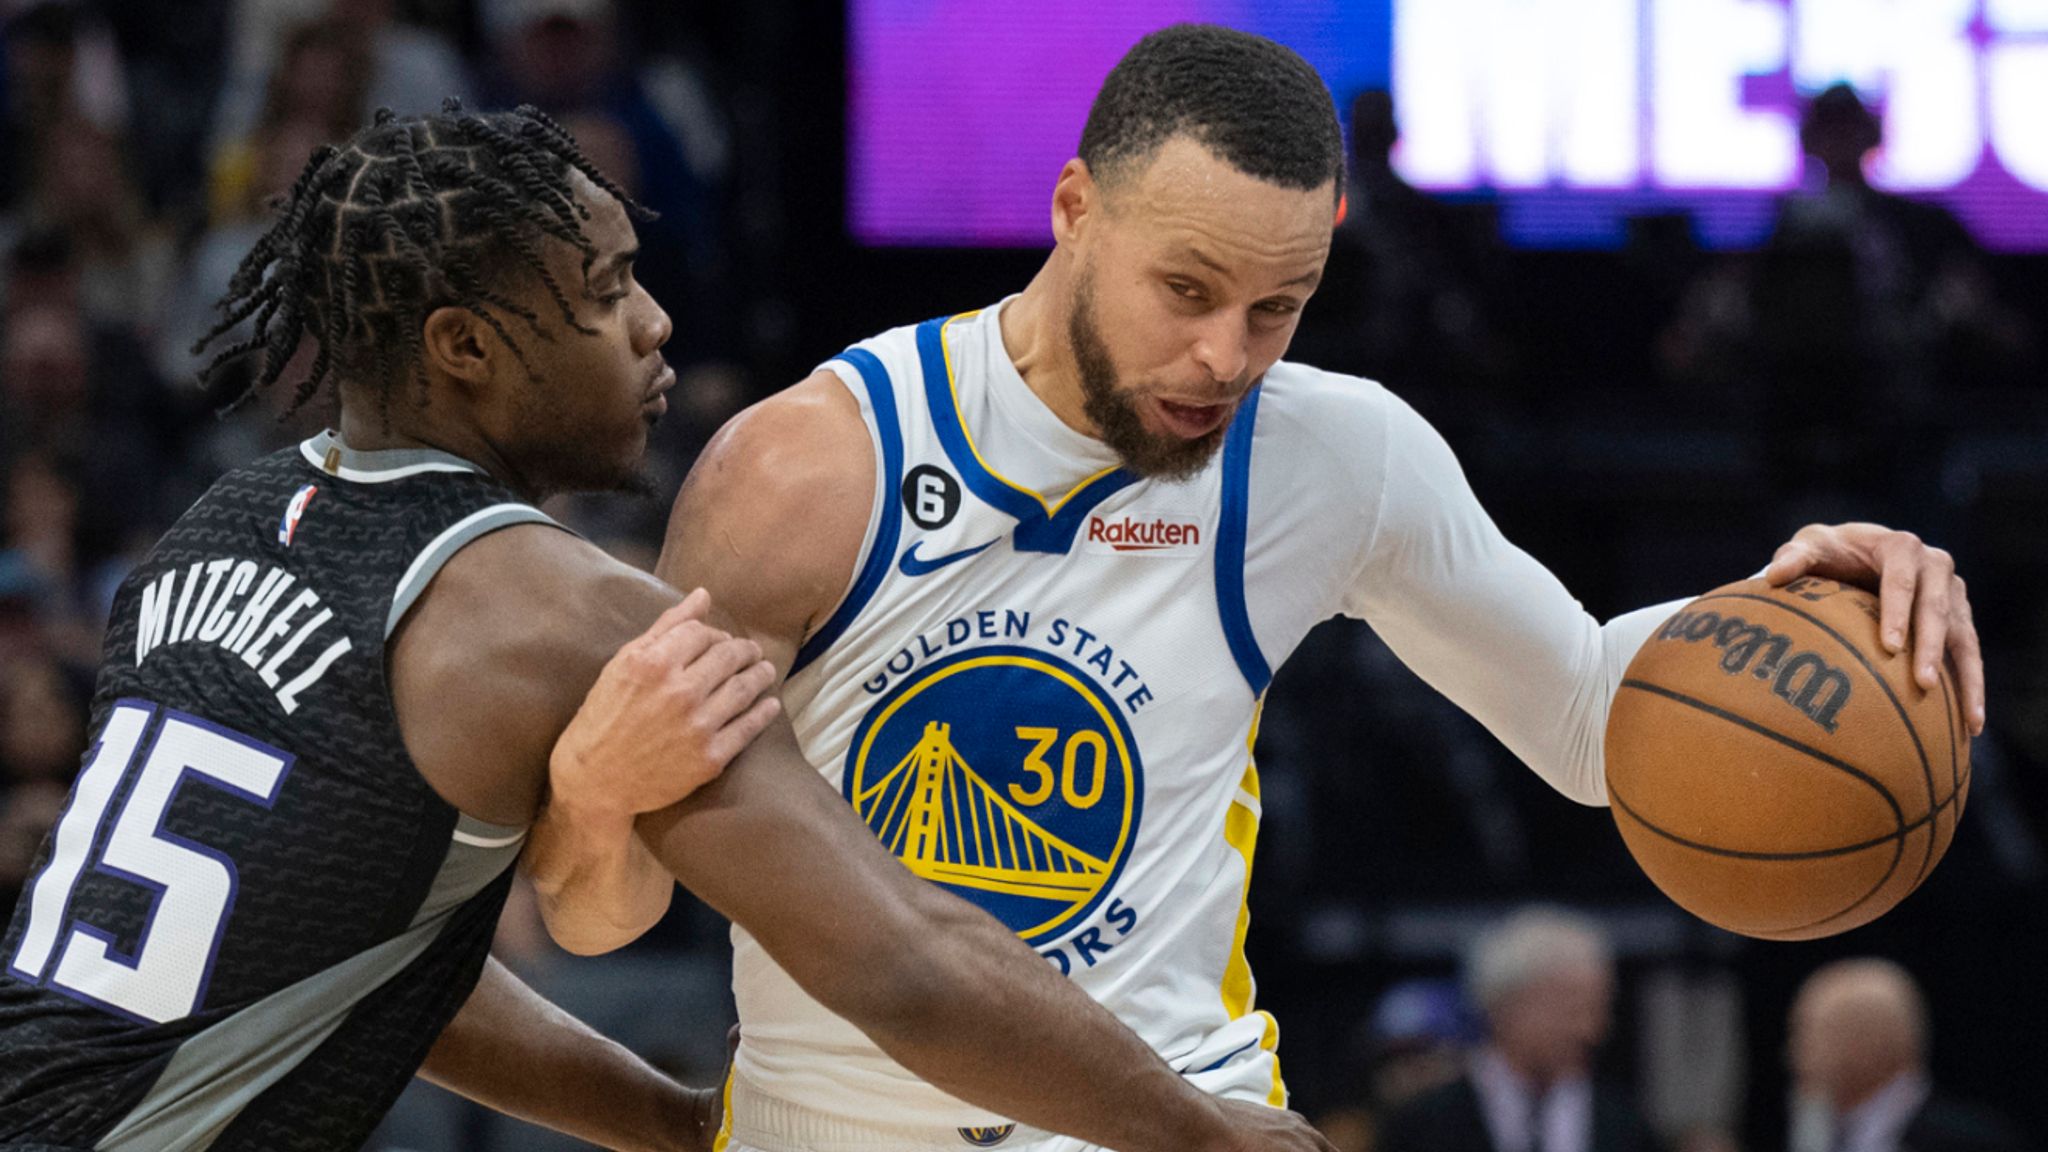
(1802, 679)
(1129, 535)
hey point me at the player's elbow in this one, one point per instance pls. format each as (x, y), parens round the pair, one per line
(1580, 772)
(1575, 767)
(593, 935)
(1587, 786)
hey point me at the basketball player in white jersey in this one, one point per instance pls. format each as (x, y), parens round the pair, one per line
(1028, 570)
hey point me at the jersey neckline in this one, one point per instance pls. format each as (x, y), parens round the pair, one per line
(326, 452)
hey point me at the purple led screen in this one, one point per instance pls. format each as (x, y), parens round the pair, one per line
(1572, 115)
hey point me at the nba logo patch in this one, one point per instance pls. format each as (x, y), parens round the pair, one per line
(289, 526)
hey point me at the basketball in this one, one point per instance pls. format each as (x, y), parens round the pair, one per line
(1774, 770)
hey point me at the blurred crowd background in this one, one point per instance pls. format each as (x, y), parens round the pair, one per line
(1648, 422)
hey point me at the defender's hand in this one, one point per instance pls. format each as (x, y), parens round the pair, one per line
(1920, 597)
(667, 714)
(1260, 1128)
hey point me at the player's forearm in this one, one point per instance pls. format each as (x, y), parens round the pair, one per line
(940, 985)
(598, 885)
(1485, 623)
(512, 1050)
(982, 1017)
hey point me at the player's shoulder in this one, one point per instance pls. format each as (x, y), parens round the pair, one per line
(790, 445)
(895, 350)
(490, 663)
(772, 517)
(534, 594)
(1301, 407)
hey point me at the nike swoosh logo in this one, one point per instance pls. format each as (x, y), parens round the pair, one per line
(911, 565)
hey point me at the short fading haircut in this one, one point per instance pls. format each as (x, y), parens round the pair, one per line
(1252, 102)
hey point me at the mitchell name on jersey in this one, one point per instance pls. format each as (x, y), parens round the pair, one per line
(241, 606)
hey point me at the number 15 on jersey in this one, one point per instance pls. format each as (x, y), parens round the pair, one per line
(193, 886)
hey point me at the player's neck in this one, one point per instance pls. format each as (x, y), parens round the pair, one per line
(364, 429)
(1034, 328)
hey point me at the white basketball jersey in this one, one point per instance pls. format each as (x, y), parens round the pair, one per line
(1046, 706)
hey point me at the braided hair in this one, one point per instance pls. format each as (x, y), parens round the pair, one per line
(411, 215)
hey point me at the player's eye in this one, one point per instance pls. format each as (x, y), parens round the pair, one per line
(1184, 290)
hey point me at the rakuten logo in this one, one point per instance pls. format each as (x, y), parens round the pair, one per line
(1130, 535)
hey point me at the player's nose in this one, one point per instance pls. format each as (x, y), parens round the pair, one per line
(1221, 347)
(655, 332)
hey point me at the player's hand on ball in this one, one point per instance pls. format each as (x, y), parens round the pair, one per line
(1921, 599)
(670, 710)
(1260, 1128)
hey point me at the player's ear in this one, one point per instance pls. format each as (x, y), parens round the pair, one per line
(1075, 197)
(456, 345)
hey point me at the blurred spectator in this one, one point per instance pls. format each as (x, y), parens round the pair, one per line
(657, 118)
(173, 58)
(1858, 295)
(1858, 1052)
(1416, 1040)
(42, 736)
(59, 65)
(122, 258)
(317, 94)
(84, 414)
(1544, 979)
(400, 66)
(1412, 1044)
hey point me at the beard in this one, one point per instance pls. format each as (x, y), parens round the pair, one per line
(559, 456)
(1113, 410)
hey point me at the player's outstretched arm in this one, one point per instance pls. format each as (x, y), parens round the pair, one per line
(549, 616)
(486, 672)
(512, 1050)
(938, 984)
(1491, 628)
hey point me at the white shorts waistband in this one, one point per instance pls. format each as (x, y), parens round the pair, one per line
(764, 1123)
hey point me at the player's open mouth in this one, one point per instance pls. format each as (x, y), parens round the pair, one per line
(1190, 421)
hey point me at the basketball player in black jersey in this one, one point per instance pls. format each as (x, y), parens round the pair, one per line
(336, 693)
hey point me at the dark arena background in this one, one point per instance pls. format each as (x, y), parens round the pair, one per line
(1605, 257)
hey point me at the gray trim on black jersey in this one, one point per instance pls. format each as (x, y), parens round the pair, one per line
(218, 1072)
(478, 853)
(327, 453)
(447, 544)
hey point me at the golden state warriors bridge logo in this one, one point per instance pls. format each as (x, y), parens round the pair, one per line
(1007, 776)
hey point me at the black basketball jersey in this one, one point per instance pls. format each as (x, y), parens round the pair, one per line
(254, 916)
